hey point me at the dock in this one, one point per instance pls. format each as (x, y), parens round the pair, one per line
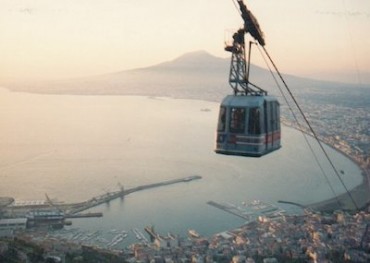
(84, 215)
(106, 198)
(251, 211)
(76, 208)
(150, 230)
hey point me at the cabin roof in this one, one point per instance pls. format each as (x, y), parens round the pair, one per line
(246, 101)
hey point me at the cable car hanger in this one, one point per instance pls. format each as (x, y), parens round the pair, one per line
(240, 67)
(249, 120)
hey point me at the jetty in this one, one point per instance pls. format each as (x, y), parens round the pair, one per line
(106, 198)
(251, 211)
(74, 209)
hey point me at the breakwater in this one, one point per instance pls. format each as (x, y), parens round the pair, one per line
(75, 208)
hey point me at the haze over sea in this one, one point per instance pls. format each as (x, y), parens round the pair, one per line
(74, 147)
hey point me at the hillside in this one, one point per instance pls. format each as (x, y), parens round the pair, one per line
(195, 75)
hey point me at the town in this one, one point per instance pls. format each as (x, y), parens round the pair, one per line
(313, 237)
(344, 128)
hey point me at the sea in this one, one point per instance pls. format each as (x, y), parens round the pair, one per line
(74, 147)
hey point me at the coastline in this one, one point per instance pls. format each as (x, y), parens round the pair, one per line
(360, 194)
(345, 201)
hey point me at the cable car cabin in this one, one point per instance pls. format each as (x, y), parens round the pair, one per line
(248, 125)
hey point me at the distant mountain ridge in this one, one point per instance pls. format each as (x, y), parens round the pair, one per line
(198, 59)
(194, 75)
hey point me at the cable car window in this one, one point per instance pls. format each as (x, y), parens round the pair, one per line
(237, 120)
(254, 126)
(273, 117)
(222, 119)
(278, 115)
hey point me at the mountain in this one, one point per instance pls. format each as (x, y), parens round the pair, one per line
(195, 75)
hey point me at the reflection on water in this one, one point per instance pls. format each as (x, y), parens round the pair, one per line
(74, 147)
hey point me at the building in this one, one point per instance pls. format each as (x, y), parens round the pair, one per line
(52, 218)
(7, 226)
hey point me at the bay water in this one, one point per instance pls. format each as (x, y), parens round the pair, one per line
(75, 147)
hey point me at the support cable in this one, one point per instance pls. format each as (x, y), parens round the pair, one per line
(304, 117)
(311, 129)
(300, 126)
(236, 6)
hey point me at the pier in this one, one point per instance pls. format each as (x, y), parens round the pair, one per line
(251, 211)
(150, 230)
(75, 208)
(106, 198)
(84, 215)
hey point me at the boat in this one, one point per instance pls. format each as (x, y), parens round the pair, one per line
(137, 233)
(193, 233)
(117, 239)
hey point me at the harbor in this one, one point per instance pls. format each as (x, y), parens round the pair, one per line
(251, 211)
(51, 214)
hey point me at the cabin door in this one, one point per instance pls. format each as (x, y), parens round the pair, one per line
(268, 128)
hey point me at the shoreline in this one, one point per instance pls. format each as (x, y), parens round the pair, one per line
(360, 194)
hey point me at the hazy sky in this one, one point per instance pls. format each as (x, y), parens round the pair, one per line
(72, 38)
